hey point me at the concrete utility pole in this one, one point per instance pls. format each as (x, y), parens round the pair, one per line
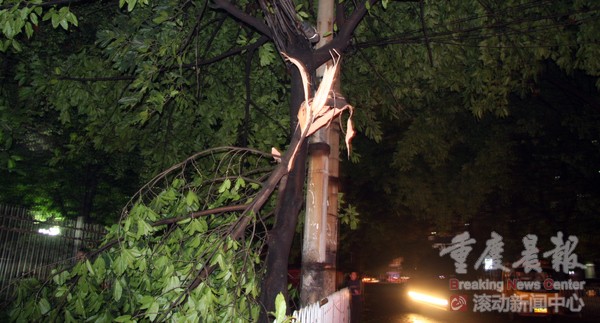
(319, 251)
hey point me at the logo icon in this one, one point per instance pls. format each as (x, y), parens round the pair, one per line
(458, 303)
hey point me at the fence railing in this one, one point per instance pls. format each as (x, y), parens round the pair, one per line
(30, 248)
(335, 308)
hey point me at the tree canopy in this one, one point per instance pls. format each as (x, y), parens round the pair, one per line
(124, 91)
(533, 171)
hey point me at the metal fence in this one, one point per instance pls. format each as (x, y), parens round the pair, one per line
(30, 248)
(335, 308)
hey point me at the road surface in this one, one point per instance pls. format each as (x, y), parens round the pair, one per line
(390, 303)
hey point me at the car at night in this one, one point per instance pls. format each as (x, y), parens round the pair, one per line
(428, 289)
(429, 292)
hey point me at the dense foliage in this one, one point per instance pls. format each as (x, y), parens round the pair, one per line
(144, 82)
(174, 256)
(155, 81)
(125, 95)
(459, 105)
(534, 171)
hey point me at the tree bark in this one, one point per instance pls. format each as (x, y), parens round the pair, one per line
(289, 203)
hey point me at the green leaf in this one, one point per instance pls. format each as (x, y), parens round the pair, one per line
(191, 198)
(239, 183)
(195, 242)
(172, 284)
(61, 278)
(128, 100)
(90, 269)
(55, 20)
(72, 19)
(28, 30)
(192, 317)
(162, 17)
(44, 306)
(61, 291)
(79, 307)
(119, 266)
(16, 45)
(280, 308)
(131, 4)
(143, 228)
(266, 55)
(69, 317)
(146, 301)
(152, 311)
(226, 185)
(117, 290)
(123, 318)
(64, 24)
(34, 18)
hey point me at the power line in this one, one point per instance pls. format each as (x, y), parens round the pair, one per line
(478, 33)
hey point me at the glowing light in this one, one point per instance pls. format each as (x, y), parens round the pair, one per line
(428, 299)
(488, 264)
(53, 231)
(417, 318)
(370, 280)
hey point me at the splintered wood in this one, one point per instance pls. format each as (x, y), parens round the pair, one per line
(321, 110)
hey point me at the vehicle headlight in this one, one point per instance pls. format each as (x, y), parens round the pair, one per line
(429, 299)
